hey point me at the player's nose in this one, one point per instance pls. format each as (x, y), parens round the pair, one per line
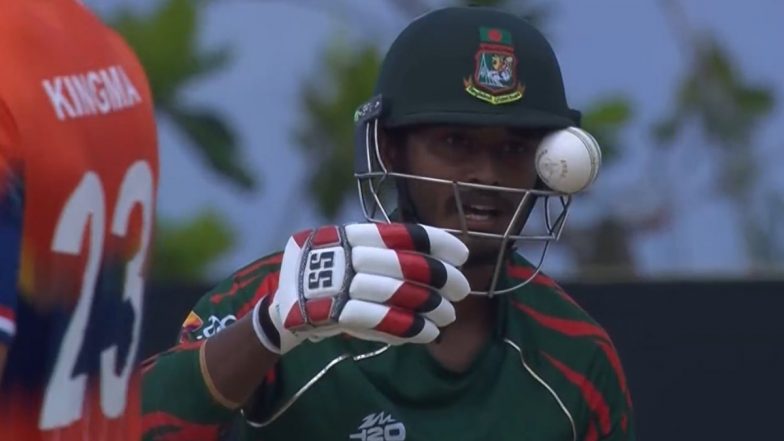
(484, 167)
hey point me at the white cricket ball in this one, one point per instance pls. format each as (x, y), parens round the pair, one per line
(568, 160)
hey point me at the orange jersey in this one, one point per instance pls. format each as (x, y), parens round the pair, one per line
(78, 180)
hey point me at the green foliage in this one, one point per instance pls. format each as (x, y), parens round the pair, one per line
(216, 141)
(604, 119)
(166, 43)
(184, 251)
(728, 111)
(327, 136)
(713, 94)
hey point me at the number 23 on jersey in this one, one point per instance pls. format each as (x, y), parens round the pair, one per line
(85, 213)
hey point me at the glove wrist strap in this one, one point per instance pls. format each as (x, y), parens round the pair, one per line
(263, 326)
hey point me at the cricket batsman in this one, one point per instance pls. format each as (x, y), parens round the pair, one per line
(423, 321)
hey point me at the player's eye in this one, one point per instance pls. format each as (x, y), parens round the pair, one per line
(452, 146)
(456, 140)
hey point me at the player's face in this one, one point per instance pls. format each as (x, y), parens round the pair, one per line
(484, 155)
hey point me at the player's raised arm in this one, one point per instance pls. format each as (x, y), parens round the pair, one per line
(386, 283)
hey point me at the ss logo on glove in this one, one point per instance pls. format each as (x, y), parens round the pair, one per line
(320, 267)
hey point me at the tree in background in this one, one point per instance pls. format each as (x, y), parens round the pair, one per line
(165, 41)
(727, 111)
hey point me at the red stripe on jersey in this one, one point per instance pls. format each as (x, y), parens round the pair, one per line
(187, 346)
(7, 313)
(326, 236)
(268, 286)
(271, 260)
(271, 376)
(596, 402)
(410, 296)
(414, 267)
(219, 297)
(524, 273)
(148, 364)
(615, 362)
(572, 328)
(245, 277)
(575, 328)
(591, 434)
(235, 287)
(396, 322)
(395, 236)
(177, 429)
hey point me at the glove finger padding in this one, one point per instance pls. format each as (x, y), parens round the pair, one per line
(404, 295)
(412, 267)
(367, 319)
(409, 237)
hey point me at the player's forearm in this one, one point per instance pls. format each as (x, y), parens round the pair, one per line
(176, 401)
(236, 362)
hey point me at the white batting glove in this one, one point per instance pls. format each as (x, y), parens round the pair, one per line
(392, 283)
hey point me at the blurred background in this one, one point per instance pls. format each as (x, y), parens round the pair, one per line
(678, 249)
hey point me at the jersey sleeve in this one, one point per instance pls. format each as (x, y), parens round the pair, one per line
(11, 211)
(176, 402)
(576, 355)
(608, 376)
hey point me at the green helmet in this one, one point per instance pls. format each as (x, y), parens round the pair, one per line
(475, 66)
(463, 66)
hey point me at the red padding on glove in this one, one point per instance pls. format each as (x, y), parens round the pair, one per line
(414, 267)
(318, 310)
(301, 237)
(326, 236)
(396, 322)
(396, 236)
(409, 296)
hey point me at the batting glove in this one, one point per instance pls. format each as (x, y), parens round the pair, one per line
(392, 283)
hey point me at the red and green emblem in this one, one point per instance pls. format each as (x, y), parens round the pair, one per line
(495, 72)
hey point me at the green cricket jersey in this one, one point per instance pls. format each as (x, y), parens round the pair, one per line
(548, 373)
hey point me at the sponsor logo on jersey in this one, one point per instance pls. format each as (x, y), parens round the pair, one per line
(196, 327)
(192, 323)
(380, 426)
(95, 92)
(215, 325)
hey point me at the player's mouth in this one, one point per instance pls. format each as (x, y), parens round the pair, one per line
(483, 213)
(480, 213)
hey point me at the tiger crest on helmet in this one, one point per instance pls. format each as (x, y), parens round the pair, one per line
(495, 73)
